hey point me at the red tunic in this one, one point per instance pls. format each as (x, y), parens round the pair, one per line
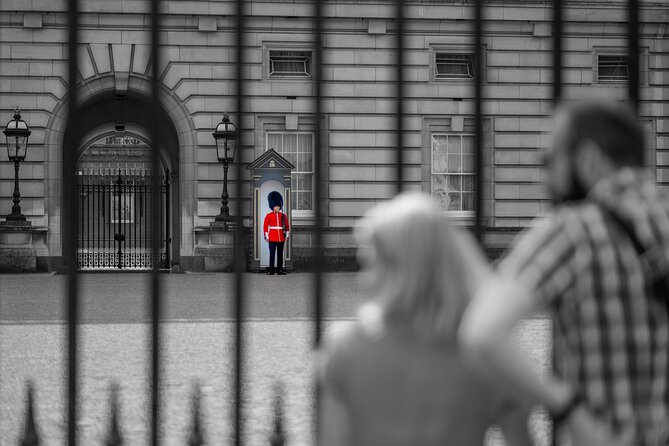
(276, 227)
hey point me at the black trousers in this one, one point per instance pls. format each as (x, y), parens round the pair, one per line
(276, 248)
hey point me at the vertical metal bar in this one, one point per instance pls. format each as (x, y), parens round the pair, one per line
(557, 95)
(557, 50)
(633, 50)
(478, 124)
(239, 229)
(318, 197)
(168, 238)
(162, 209)
(81, 243)
(89, 221)
(135, 217)
(70, 198)
(399, 91)
(156, 307)
(98, 217)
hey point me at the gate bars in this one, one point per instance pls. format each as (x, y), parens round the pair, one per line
(70, 184)
(114, 219)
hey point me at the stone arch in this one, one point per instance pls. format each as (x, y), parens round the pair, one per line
(176, 142)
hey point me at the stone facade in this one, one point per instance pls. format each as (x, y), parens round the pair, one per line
(197, 76)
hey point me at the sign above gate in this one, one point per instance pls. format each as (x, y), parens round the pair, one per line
(121, 141)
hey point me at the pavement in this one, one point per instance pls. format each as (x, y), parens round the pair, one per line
(114, 347)
(124, 297)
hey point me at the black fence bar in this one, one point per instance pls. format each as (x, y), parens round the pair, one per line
(399, 90)
(156, 304)
(557, 50)
(239, 264)
(318, 200)
(478, 120)
(633, 50)
(318, 175)
(557, 95)
(70, 199)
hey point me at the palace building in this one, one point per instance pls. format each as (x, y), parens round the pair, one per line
(197, 75)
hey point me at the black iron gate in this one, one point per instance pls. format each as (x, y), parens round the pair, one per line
(114, 219)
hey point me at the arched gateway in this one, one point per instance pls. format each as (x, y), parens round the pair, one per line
(114, 178)
(114, 210)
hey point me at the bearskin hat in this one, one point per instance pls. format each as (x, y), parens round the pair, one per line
(275, 199)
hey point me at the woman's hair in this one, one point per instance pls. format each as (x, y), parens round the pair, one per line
(423, 269)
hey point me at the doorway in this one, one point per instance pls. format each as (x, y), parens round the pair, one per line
(114, 217)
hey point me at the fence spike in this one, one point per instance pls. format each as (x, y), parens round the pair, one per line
(278, 438)
(30, 437)
(114, 437)
(196, 437)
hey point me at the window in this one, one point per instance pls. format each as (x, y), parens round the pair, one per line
(453, 177)
(612, 68)
(289, 63)
(454, 66)
(298, 148)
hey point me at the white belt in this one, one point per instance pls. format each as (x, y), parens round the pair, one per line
(276, 227)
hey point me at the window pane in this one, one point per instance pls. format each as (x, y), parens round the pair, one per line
(468, 183)
(455, 203)
(274, 142)
(304, 162)
(468, 145)
(304, 142)
(439, 161)
(454, 163)
(440, 192)
(468, 163)
(455, 144)
(455, 182)
(304, 201)
(467, 201)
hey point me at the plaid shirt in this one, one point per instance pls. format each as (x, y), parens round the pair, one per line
(611, 339)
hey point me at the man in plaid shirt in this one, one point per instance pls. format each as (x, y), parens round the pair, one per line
(583, 264)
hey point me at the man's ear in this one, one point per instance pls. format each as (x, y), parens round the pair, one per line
(591, 163)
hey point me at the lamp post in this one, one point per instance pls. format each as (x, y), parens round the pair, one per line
(226, 144)
(17, 134)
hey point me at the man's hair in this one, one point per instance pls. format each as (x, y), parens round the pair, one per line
(611, 125)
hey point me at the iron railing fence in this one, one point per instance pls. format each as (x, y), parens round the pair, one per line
(72, 188)
(114, 219)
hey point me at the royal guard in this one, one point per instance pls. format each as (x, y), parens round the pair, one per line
(276, 230)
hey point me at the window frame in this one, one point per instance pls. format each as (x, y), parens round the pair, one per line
(296, 213)
(619, 51)
(309, 64)
(612, 80)
(457, 49)
(446, 77)
(461, 134)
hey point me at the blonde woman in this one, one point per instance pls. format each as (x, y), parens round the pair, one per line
(397, 378)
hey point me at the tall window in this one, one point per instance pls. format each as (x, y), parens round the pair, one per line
(613, 68)
(298, 148)
(454, 66)
(453, 175)
(289, 63)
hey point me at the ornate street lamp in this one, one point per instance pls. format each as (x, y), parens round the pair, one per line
(226, 144)
(17, 134)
